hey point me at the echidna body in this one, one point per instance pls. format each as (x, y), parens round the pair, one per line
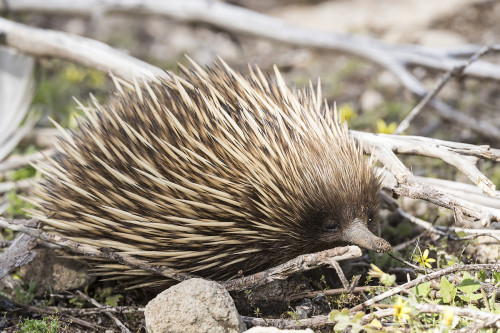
(211, 173)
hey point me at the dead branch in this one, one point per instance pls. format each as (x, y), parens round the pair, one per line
(452, 72)
(492, 319)
(299, 264)
(394, 58)
(89, 52)
(18, 161)
(463, 156)
(16, 185)
(314, 322)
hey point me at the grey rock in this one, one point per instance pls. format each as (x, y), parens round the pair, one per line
(53, 272)
(304, 309)
(194, 305)
(320, 305)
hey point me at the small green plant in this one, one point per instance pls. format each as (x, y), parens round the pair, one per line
(25, 295)
(46, 325)
(293, 315)
(344, 320)
(107, 295)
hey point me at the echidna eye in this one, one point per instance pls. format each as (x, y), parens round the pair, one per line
(331, 226)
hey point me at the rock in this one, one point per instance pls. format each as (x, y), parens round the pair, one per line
(483, 250)
(276, 330)
(52, 271)
(304, 309)
(320, 305)
(194, 305)
(370, 100)
(388, 80)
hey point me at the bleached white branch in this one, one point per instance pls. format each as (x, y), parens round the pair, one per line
(89, 52)
(242, 20)
(462, 156)
(394, 58)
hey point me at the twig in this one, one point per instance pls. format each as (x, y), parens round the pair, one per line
(16, 185)
(331, 292)
(444, 230)
(452, 72)
(425, 278)
(301, 263)
(65, 317)
(17, 161)
(17, 225)
(408, 185)
(314, 322)
(108, 313)
(468, 192)
(92, 311)
(340, 273)
(412, 241)
(460, 155)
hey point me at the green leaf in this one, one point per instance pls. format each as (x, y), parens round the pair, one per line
(468, 286)
(496, 276)
(388, 279)
(471, 297)
(448, 290)
(344, 321)
(482, 275)
(113, 300)
(423, 289)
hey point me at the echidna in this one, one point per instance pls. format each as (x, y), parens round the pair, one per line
(211, 173)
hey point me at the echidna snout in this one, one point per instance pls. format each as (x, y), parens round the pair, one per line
(358, 234)
(210, 173)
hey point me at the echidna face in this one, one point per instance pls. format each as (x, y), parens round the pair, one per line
(345, 210)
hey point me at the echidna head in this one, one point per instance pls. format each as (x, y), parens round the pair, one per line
(340, 201)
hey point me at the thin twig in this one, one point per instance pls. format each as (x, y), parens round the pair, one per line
(424, 278)
(452, 72)
(108, 313)
(17, 161)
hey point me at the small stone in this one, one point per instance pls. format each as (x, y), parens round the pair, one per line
(388, 80)
(304, 309)
(195, 305)
(370, 100)
(52, 271)
(320, 305)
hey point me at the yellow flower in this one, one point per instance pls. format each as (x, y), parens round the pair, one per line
(448, 316)
(74, 74)
(96, 78)
(401, 311)
(347, 112)
(382, 127)
(375, 272)
(387, 279)
(423, 260)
